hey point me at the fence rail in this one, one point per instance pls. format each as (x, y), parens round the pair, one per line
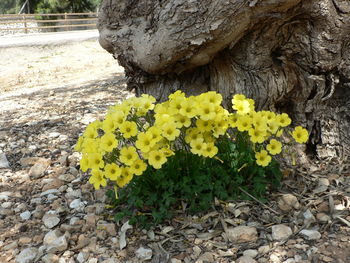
(48, 22)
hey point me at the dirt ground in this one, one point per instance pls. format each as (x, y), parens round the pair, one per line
(50, 213)
(51, 66)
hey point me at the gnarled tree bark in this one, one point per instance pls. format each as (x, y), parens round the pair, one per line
(288, 55)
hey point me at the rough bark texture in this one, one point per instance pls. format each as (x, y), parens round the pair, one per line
(289, 55)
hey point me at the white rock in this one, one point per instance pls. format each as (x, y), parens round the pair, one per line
(63, 137)
(82, 257)
(13, 245)
(4, 163)
(310, 234)
(246, 259)
(6, 205)
(206, 257)
(39, 168)
(51, 197)
(288, 202)
(77, 204)
(308, 218)
(25, 215)
(264, 249)
(144, 253)
(322, 217)
(50, 191)
(4, 195)
(73, 220)
(322, 185)
(290, 260)
(250, 253)
(73, 193)
(241, 234)
(27, 255)
(54, 134)
(50, 258)
(55, 241)
(281, 232)
(50, 219)
(122, 234)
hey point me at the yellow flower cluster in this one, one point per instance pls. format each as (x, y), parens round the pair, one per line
(137, 133)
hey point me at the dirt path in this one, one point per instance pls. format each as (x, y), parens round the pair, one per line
(50, 213)
(41, 39)
(54, 66)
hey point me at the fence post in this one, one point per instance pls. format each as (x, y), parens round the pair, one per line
(66, 22)
(25, 24)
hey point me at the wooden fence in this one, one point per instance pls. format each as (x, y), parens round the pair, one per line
(48, 22)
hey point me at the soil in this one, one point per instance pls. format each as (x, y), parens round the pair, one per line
(53, 66)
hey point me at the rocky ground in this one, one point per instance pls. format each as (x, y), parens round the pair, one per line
(49, 212)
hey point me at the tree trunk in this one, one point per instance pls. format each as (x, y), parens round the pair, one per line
(288, 55)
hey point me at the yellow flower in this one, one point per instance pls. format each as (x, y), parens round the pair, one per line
(84, 163)
(108, 142)
(279, 133)
(206, 111)
(161, 108)
(175, 105)
(123, 108)
(274, 147)
(259, 121)
(129, 129)
(128, 155)
(163, 119)
(155, 133)
(251, 105)
(197, 146)
(242, 107)
(156, 159)
(90, 146)
(272, 127)
(212, 97)
(95, 161)
(108, 125)
(208, 137)
(90, 133)
(300, 134)
(182, 121)
(257, 135)
(283, 119)
(147, 102)
(167, 152)
(118, 118)
(138, 167)
(170, 132)
(97, 179)
(112, 171)
(145, 142)
(79, 145)
(125, 177)
(96, 124)
(176, 94)
(233, 118)
(270, 116)
(204, 125)
(192, 134)
(187, 109)
(210, 150)
(244, 123)
(262, 158)
(237, 97)
(220, 125)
